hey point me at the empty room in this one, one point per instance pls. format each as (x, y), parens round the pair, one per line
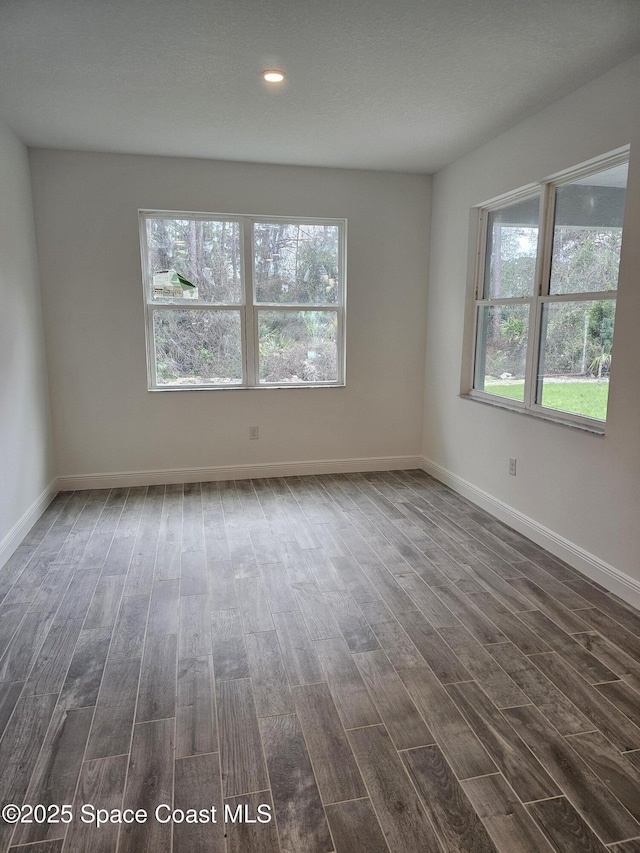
(319, 426)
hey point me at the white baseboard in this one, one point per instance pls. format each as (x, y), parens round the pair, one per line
(125, 479)
(608, 576)
(24, 524)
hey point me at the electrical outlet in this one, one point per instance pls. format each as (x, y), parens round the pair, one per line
(512, 466)
(253, 432)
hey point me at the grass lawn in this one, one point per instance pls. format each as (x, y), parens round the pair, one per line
(581, 398)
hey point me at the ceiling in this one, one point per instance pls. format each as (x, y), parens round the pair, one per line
(408, 85)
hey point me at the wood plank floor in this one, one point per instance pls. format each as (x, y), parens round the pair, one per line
(377, 661)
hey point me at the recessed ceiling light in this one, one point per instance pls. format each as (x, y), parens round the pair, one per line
(273, 76)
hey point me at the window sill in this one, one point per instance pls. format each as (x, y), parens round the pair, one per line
(595, 427)
(287, 385)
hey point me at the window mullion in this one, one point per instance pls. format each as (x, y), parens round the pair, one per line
(297, 306)
(187, 305)
(505, 300)
(548, 211)
(481, 254)
(582, 296)
(548, 222)
(152, 373)
(340, 342)
(250, 335)
(533, 353)
(541, 286)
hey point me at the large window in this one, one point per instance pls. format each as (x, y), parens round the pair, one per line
(546, 285)
(238, 302)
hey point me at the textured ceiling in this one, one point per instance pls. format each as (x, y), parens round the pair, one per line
(407, 85)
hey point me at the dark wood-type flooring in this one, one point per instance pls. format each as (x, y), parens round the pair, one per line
(383, 664)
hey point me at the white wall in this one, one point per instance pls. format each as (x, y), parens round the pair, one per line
(26, 455)
(583, 487)
(104, 418)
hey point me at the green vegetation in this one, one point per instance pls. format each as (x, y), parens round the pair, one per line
(577, 335)
(294, 264)
(515, 390)
(581, 398)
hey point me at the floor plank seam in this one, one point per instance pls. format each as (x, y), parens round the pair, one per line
(362, 545)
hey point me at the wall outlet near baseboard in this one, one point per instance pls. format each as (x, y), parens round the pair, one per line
(254, 432)
(512, 466)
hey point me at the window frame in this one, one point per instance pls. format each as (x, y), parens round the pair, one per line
(540, 296)
(248, 308)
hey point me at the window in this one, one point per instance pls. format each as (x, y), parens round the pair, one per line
(239, 302)
(546, 284)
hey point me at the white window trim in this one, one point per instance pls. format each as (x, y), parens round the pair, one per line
(541, 295)
(248, 309)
